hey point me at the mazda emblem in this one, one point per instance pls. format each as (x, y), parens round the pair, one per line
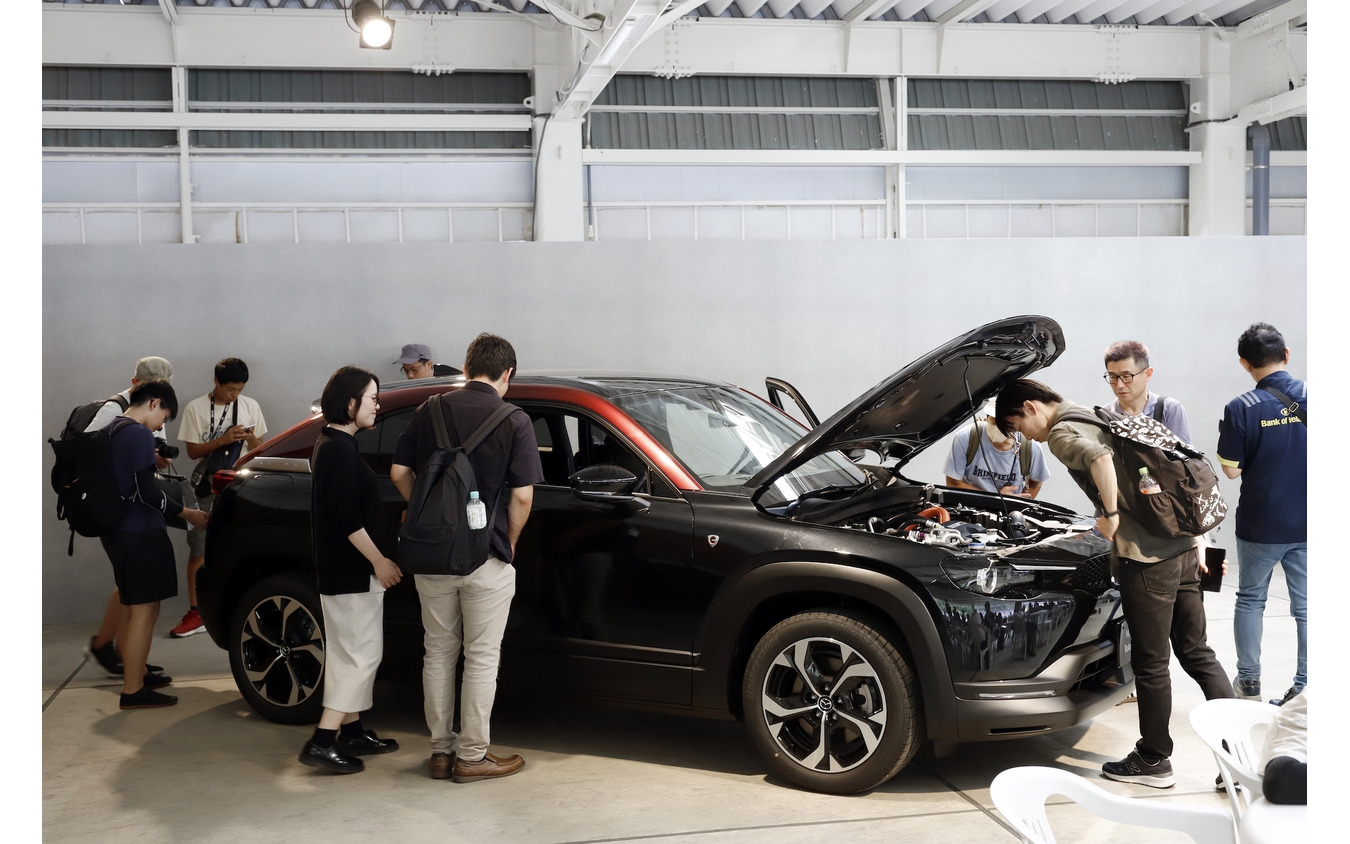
(712, 540)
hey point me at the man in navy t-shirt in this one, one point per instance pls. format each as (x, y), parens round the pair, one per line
(141, 554)
(1263, 439)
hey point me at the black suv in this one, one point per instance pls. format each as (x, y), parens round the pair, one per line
(720, 559)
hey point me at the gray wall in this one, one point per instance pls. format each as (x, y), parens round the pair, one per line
(833, 318)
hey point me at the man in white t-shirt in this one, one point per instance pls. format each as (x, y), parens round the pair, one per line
(223, 418)
(982, 458)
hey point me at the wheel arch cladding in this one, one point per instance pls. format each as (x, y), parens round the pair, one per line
(748, 607)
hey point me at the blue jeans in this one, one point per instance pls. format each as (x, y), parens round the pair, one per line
(1256, 562)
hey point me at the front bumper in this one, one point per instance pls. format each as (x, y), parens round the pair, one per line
(1080, 684)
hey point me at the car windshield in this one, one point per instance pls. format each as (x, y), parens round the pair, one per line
(724, 436)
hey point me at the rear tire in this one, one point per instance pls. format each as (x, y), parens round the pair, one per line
(277, 652)
(830, 703)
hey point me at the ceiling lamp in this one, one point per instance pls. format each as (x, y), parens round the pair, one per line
(377, 31)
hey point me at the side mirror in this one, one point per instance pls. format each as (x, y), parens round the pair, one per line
(605, 483)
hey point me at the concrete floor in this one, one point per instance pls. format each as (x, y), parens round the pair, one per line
(210, 770)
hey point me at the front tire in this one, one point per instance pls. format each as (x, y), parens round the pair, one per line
(277, 653)
(830, 703)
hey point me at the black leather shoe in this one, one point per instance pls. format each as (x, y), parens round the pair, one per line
(330, 759)
(367, 744)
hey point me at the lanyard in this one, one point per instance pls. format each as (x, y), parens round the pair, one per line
(217, 428)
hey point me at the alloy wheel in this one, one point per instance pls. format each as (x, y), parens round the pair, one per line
(824, 705)
(282, 650)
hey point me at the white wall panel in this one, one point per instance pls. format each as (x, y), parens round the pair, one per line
(972, 183)
(362, 181)
(1285, 183)
(656, 183)
(109, 181)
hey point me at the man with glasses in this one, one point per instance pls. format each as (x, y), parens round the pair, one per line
(1128, 374)
(416, 363)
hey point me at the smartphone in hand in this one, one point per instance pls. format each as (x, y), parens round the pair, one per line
(1212, 580)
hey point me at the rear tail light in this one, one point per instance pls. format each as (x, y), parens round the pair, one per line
(221, 479)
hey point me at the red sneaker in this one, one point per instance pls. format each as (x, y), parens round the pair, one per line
(189, 626)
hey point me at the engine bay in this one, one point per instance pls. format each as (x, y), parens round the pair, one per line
(974, 529)
(964, 521)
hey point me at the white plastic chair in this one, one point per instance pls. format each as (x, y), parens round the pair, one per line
(1020, 794)
(1235, 730)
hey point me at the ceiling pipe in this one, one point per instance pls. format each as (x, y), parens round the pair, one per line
(1260, 135)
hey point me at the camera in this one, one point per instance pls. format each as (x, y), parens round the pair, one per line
(163, 449)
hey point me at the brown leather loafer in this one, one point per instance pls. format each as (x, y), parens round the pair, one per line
(486, 768)
(441, 765)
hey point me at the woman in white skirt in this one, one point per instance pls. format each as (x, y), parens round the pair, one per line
(352, 574)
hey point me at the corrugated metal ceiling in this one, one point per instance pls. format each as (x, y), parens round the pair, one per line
(1123, 12)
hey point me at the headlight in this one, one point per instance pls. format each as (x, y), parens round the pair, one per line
(986, 575)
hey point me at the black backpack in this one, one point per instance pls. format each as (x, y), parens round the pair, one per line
(81, 416)
(86, 483)
(435, 537)
(1189, 503)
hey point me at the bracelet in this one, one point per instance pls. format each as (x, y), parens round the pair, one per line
(1110, 514)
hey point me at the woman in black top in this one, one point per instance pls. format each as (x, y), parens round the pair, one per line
(352, 573)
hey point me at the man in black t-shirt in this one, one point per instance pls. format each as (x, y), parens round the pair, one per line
(471, 610)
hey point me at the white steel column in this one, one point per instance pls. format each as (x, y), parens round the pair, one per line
(1218, 188)
(897, 174)
(559, 198)
(1218, 184)
(180, 106)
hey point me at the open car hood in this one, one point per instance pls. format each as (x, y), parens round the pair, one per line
(925, 401)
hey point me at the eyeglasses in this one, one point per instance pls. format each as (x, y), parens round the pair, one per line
(375, 398)
(1127, 377)
(410, 368)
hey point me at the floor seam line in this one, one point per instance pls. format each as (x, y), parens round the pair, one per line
(66, 682)
(723, 830)
(989, 813)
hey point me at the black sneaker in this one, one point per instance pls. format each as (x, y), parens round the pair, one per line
(156, 681)
(1219, 786)
(146, 699)
(1136, 769)
(1288, 696)
(1247, 689)
(106, 657)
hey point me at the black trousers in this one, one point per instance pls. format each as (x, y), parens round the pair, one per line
(1166, 614)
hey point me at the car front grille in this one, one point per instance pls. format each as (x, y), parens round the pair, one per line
(1092, 575)
(1098, 672)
